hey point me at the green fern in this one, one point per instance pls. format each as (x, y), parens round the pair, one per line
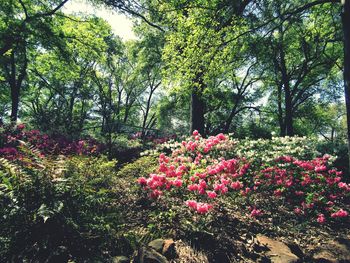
(10, 168)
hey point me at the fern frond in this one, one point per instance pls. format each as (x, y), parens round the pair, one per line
(59, 166)
(9, 167)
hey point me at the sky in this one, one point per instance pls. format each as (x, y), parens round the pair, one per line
(121, 25)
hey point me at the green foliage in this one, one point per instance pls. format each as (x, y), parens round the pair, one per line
(141, 167)
(46, 212)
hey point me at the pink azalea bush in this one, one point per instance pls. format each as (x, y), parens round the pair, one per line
(199, 175)
(196, 169)
(310, 187)
(11, 137)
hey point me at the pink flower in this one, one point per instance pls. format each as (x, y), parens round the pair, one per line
(256, 212)
(321, 219)
(211, 194)
(203, 208)
(177, 183)
(192, 204)
(332, 196)
(224, 190)
(236, 185)
(299, 193)
(277, 192)
(320, 168)
(193, 187)
(344, 186)
(221, 137)
(142, 181)
(155, 194)
(297, 211)
(21, 126)
(195, 133)
(339, 213)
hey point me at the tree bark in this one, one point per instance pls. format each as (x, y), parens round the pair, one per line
(16, 83)
(280, 112)
(288, 118)
(147, 110)
(197, 112)
(346, 31)
(14, 90)
(289, 112)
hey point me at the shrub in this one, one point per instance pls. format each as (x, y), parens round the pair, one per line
(201, 171)
(12, 136)
(64, 209)
(141, 167)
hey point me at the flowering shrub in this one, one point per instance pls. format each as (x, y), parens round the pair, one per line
(196, 169)
(259, 150)
(10, 138)
(267, 150)
(200, 171)
(309, 187)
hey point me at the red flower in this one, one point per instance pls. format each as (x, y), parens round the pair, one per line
(321, 219)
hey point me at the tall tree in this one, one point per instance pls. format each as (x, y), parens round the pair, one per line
(298, 54)
(24, 25)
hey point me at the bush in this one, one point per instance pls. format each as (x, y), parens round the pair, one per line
(141, 167)
(64, 209)
(336, 148)
(11, 138)
(200, 172)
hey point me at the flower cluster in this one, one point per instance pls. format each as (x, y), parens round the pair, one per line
(10, 138)
(309, 187)
(195, 169)
(198, 171)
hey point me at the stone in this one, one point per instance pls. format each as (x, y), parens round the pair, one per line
(157, 244)
(121, 259)
(325, 257)
(164, 246)
(169, 249)
(149, 255)
(278, 252)
(333, 251)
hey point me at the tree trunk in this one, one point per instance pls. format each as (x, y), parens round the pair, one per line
(289, 113)
(145, 117)
(346, 30)
(288, 118)
(15, 92)
(15, 102)
(280, 112)
(197, 112)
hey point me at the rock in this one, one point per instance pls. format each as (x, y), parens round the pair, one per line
(333, 251)
(121, 259)
(278, 252)
(157, 245)
(164, 246)
(169, 249)
(149, 255)
(324, 257)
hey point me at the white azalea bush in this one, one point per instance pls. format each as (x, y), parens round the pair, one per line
(259, 150)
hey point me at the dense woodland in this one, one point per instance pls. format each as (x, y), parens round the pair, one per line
(222, 121)
(251, 69)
